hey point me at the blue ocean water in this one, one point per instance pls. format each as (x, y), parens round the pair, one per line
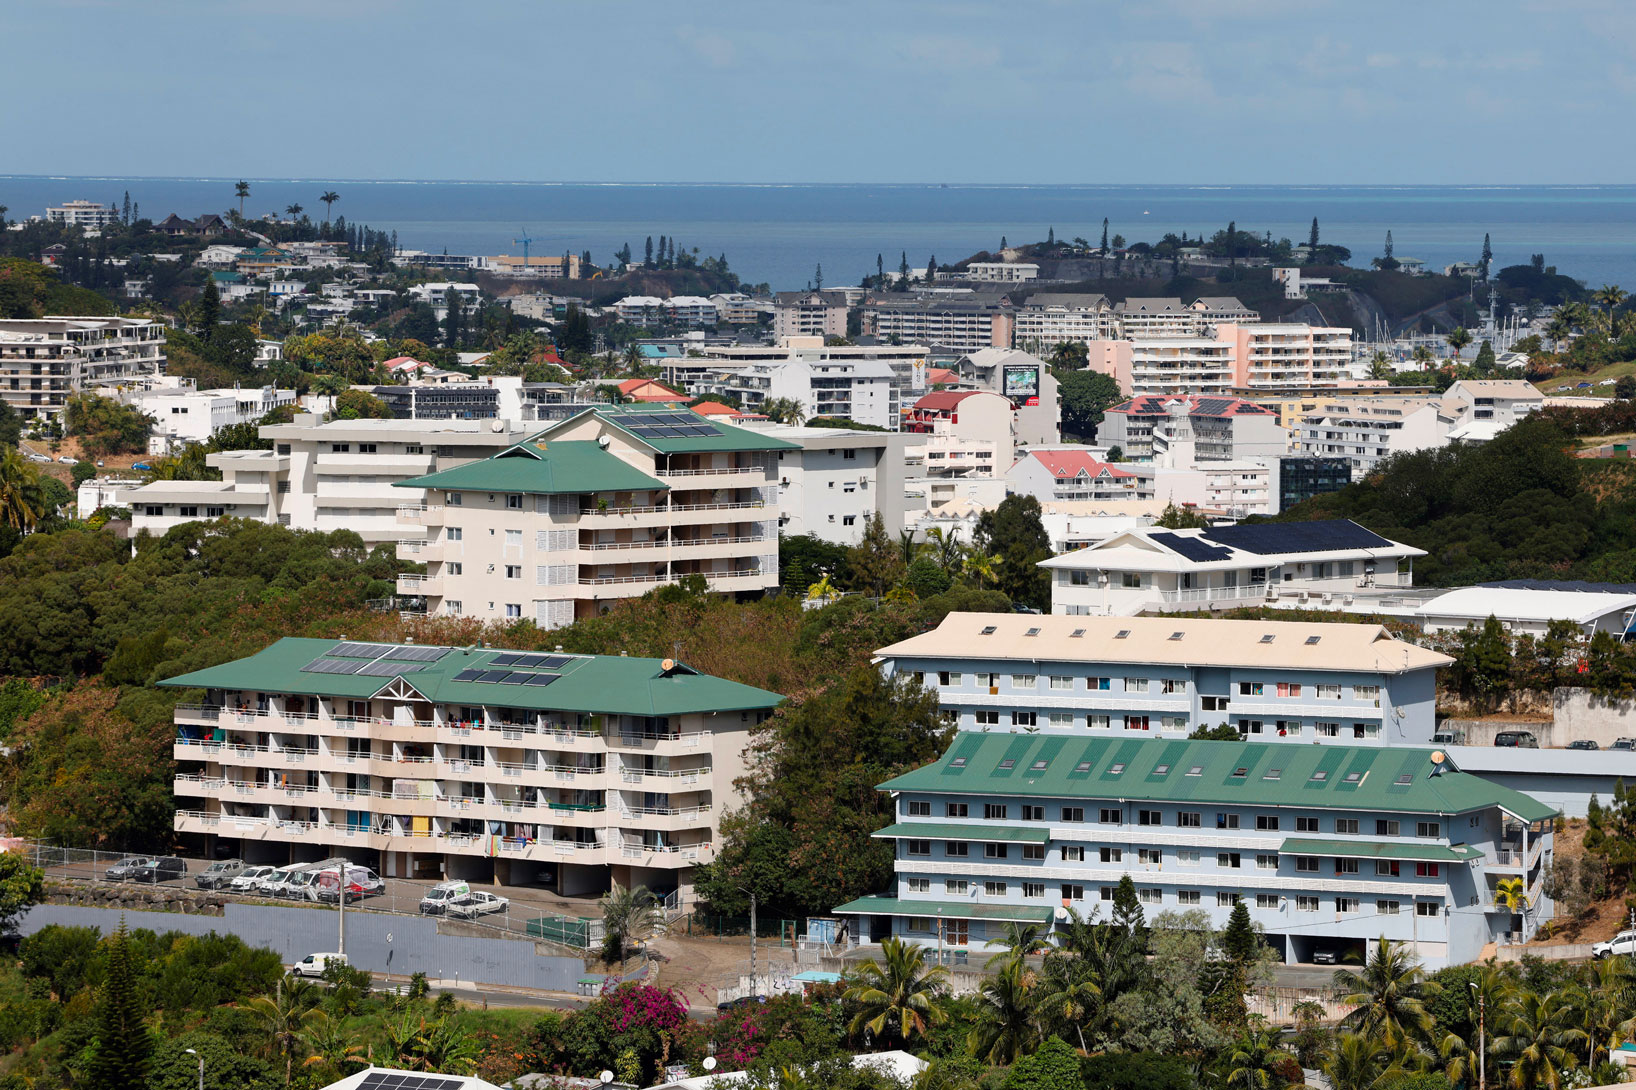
(781, 233)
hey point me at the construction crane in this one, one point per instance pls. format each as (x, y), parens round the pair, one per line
(523, 242)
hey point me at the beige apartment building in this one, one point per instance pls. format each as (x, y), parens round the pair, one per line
(607, 504)
(45, 361)
(568, 771)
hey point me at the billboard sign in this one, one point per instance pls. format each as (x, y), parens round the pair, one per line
(1021, 382)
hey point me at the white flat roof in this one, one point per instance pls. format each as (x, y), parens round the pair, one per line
(1521, 604)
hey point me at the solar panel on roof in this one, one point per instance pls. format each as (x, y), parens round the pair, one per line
(534, 662)
(333, 666)
(542, 679)
(396, 1080)
(503, 660)
(468, 675)
(1192, 548)
(492, 676)
(360, 650)
(384, 668)
(1272, 538)
(417, 654)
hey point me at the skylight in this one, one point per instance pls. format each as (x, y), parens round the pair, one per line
(1196, 770)
(1077, 633)
(1240, 773)
(958, 762)
(1038, 766)
(1122, 634)
(988, 630)
(1116, 768)
(1354, 777)
(1321, 775)
(1032, 632)
(1161, 770)
(1312, 640)
(1405, 779)
(1008, 764)
(1268, 638)
(1273, 774)
(1083, 766)
(1176, 635)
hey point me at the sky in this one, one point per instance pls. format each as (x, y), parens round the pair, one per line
(1010, 91)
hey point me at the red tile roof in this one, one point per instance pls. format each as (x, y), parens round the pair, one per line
(645, 389)
(1071, 463)
(715, 408)
(1197, 405)
(941, 376)
(942, 400)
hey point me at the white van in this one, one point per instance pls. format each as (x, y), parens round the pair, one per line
(436, 901)
(301, 886)
(273, 884)
(313, 965)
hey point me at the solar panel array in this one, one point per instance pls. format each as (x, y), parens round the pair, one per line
(417, 654)
(666, 425)
(400, 1080)
(361, 650)
(506, 677)
(324, 665)
(1193, 548)
(384, 668)
(531, 662)
(1273, 538)
(1210, 406)
(374, 659)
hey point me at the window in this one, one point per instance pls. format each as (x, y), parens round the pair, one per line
(1289, 689)
(986, 718)
(1266, 861)
(1266, 900)
(1073, 893)
(454, 499)
(1306, 864)
(1097, 722)
(1249, 688)
(1112, 815)
(994, 889)
(1033, 853)
(1131, 579)
(1112, 855)
(340, 448)
(1173, 722)
(1187, 857)
(1346, 866)
(1226, 821)
(454, 567)
(994, 851)
(948, 677)
(1249, 726)
(1328, 692)
(958, 762)
(1346, 826)
(1101, 684)
(514, 502)
(1107, 892)
(994, 811)
(1025, 681)
(1214, 703)
(918, 885)
(1385, 827)
(453, 533)
(1008, 764)
(957, 932)
(1427, 870)
(1272, 774)
(1387, 908)
(1266, 823)
(1149, 817)
(1427, 908)
(188, 512)
(920, 847)
(1386, 868)
(1136, 722)
(1058, 681)
(1187, 896)
(1306, 824)
(1150, 896)
(215, 512)
(1079, 578)
(1073, 854)
(1033, 890)
(1305, 903)
(956, 849)
(1366, 692)
(1172, 685)
(986, 681)
(1150, 856)
(1136, 685)
(1196, 770)
(1188, 819)
(1346, 905)
(1226, 900)
(920, 808)
(1327, 730)
(514, 539)
(1023, 719)
(954, 809)
(1062, 719)
(957, 886)
(1230, 860)
(1030, 812)
(452, 606)
(1428, 828)
(514, 571)
(514, 611)
(1073, 813)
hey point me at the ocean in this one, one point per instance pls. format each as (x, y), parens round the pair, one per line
(781, 234)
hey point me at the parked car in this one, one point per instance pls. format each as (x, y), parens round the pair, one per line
(1623, 743)
(249, 880)
(1325, 955)
(313, 965)
(1516, 739)
(219, 873)
(1449, 738)
(275, 879)
(361, 882)
(1622, 943)
(300, 886)
(440, 896)
(161, 870)
(1583, 743)
(475, 904)
(125, 868)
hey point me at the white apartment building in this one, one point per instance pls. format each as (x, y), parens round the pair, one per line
(640, 309)
(1180, 430)
(607, 504)
(1180, 364)
(1049, 319)
(1002, 272)
(691, 310)
(1284, 355)
(853, 389)
(324, 476)
(1366, 430)
(736, 308)
(103, 492)
(1215, 309)
(1224, 356)
(572, 772)
(1309, 564)
(1481, 409)
(1141, 318)
(819, 314)
(185, 415)
(1073, 474)
(436, 295)
(45, 361)
(831, 481)
(953, 323)
(1026, 381)
(87, 214)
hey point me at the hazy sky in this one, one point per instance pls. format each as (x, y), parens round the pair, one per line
(1162, 91)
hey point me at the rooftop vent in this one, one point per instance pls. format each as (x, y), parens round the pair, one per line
(1268, 638)
(1122, 634)
(1176, 635)
(988, 630)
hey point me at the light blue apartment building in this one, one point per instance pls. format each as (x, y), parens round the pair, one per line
(1329, 845)
(1275, 681)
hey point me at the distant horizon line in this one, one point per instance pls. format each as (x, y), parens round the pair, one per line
(1200, 185)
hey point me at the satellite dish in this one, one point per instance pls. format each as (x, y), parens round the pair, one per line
(667, 664)
(1438, 757)
(1061, 913)
(604, 442)
(709, 1063)
(497, 425)
(605, 1078)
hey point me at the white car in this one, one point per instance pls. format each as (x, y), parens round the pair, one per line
(476, 904)
(1622, 943)
(250, 880)
(313, 965)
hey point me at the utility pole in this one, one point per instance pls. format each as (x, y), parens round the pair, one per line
(754, 988)
(341, 912)
(1482, 1037)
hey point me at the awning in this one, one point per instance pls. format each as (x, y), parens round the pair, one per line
(948, 910)
(982, 834)
(1349, 849)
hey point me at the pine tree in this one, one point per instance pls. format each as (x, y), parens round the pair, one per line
(1104, 234)
(453, 333)
(1239, 941)
(1389, 245)
(121, 1048)
(1488, 256)
(1051, 237)
(1232, 246)
(880, 266)
(209, 312)
(931, 269)
(1127, 913)
(1002, 244)
(127, 212)
(1312, 239)
(648, 259)
(818, 278)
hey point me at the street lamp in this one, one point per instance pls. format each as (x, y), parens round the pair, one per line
(754, 989)
(196, 1052)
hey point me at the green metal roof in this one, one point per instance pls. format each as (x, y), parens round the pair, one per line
(948, 910)
(605, 684)
(543, 469)
(989, 834)
(1152, 769)
(726, 437)
(1346, 849)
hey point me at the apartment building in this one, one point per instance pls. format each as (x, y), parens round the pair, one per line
(860, 390)
(568, 771)
(1000, 272)
(324, 476)
(1215, 309)
(607, 504)
(1365, 431)
(809, 314)
(1481, 409)
(1280, 355)
(1297, 479)
(736, 308)
(183, 415)
(437, 295)
(1180, 430)
(1142, 318)
(1052, 318)
(1073, 474)
(1023, 379)
(45, 361)
(1329, 847)
(1308, 564)
(956, 324)
(81, 213)
(832, 481)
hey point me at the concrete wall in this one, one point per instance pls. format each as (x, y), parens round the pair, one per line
(382, 944)
(1580, 714)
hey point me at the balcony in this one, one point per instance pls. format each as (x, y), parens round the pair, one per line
(420, 585)
(671, 779)
(413, 512)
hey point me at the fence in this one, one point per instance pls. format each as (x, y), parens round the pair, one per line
(783, 932)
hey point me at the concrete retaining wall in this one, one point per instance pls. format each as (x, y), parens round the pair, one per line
(375, 942)
(1570, 952)
(1581, 714)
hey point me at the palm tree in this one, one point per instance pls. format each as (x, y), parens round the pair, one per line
(329, 1044)
(1610, 296)
(1461, 1055)
(283, 1014)
(982, 567)
(1386, 995)
(1457, 340)
(1559, 329)
(1354, 1063)
(1538, 1031)
(329, 198)
(1379, 366)
(241, 190)
(899, 997)
(444, 1045)
(1005, 1025)
(1512, 895)
(946, 548)
(628, 915)
(908, 548)
(1256, 1060)
(1021, 940)
(1598, 1005)
(294, 211)
(21, 501)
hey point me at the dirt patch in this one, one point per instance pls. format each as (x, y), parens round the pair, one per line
(1598, 922)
